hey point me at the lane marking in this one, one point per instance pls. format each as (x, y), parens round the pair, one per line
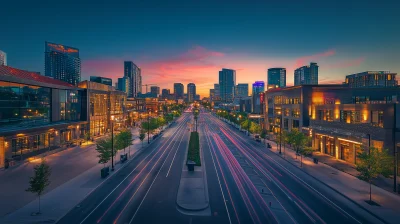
(177, 128)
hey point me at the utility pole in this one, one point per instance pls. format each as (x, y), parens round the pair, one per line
(148, 126)
(394, 149)
(280, 134)
(112, 143)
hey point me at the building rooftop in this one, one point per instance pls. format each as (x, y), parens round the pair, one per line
(33, 76)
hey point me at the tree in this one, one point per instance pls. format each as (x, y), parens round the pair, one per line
(255, 128)
(372, 164)
(298, 140)
(263, 134)
(103, 147)
(141, 137)
(305, 152)
(123, 139)
(41, 179)
(87, 136)
(245, 124)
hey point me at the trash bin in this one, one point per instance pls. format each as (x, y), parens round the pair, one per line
(105, 171)
(315, 160)
(190, 164)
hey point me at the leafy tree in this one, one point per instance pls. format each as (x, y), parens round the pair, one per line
(305, 152)
(372, 164)
(298, 140)
(87, 136)
(103, 147)
(245, 124)
(123, 139)
(255, 128)
(41, 179)
(141, 137)
(263, 134)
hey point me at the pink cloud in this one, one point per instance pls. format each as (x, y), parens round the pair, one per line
(307, 59)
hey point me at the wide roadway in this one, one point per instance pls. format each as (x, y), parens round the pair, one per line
(305, 199)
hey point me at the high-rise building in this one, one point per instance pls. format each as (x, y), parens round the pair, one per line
(372, 79)
(178, 90)
(165, 93)
(216, 92)
(242, 90)
(3, 58)
(102, 80)
(133, 72)
(306, 75)
(197, 97)
(191, 92)
(62, 63)
(258, 87)
(123, 84)
(155, 91)
(227, 84)
(212, 95)
(276, 78)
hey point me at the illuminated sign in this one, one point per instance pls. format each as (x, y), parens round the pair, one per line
(255, 116)
(61, 48)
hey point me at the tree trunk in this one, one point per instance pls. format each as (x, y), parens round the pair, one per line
(39, 203)
(301, 160)
(370, 191)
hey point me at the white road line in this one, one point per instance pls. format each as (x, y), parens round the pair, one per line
(220, 186)
(122, 181)
(174, 156)
(153, 181)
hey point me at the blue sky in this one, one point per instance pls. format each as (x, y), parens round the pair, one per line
(189, 41)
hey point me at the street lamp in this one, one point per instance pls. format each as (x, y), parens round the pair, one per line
(148, 126)
(112, 142)
(280, 134)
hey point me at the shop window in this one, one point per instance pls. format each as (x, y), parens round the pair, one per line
(377, 118)
(296, 124)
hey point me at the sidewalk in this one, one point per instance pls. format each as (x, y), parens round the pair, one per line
(347, 185)
(59, 200)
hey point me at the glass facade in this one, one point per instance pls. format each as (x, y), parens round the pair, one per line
(24, 105)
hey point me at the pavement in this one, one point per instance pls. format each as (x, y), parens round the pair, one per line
(82, 177)
(192, 197)
(349, 186)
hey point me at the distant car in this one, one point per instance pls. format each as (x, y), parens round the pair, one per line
(257, 138)
(269, 145)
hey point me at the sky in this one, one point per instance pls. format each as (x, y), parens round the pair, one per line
(190, 41)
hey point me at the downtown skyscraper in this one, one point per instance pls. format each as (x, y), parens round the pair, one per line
(242, 90)
(276, 78)
(62, 63)
(191, 92)
(227, 84)
(134, 74)
(3, 58)
(307, 74)
(258, 87)
(178, 90)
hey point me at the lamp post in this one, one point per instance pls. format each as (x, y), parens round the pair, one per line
(280, 134)
(148, 126)
(112, 142)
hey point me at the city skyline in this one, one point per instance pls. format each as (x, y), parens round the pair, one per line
(338, 49)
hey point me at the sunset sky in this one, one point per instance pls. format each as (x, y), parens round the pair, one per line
(190, 41)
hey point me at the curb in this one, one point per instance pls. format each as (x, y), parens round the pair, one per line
(180, 207)
(351, 200)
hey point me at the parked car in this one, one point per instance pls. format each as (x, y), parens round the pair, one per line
(257, 138)
(269, 145)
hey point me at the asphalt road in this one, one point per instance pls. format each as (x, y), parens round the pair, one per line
(145, 190)
(305, 199)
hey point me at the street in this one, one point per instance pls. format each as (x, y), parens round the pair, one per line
(145, 191)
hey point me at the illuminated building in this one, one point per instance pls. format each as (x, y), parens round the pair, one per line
(227, 84)
(123, 84)
(178, 91)
(134, 74)
(102, 80)
(258, 87)
(191, 92)
(37, 114)
(104, 101)
(3, 58)
(276, 78)
(306, 75)
(338, 119)
(372, 79)
(62, 63)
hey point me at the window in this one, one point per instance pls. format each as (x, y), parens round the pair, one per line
(296, 113)
(287, 112)
(296, 124)
(285, 124)
(377, 118)
(350, 117)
